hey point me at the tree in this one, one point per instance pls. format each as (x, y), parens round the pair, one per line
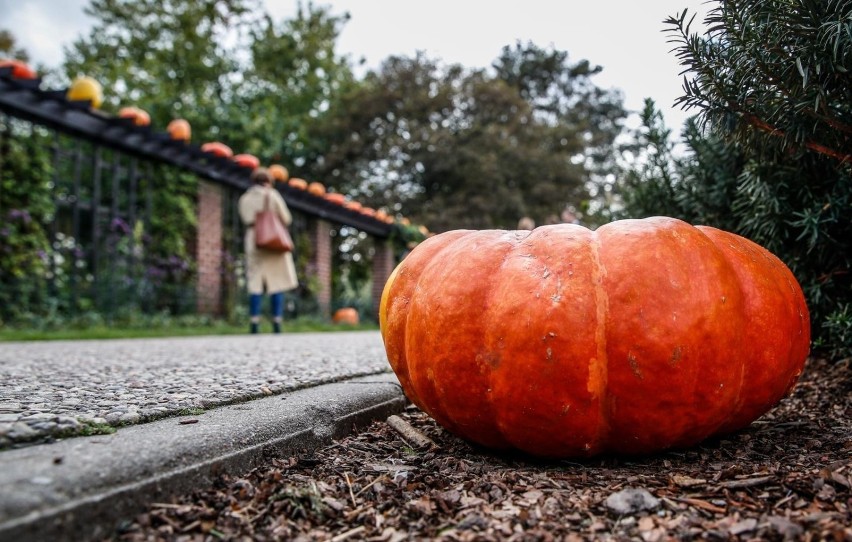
(457, 148)
(699, 186)
(8, 47)
(167, 56)
(774, 79)
(294, 75)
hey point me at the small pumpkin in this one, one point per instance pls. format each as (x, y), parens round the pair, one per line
(301, 184)
(179, 130)
(140, 117)
(316, 188)
(368, 211)
(20, 69)
(353, 205)
(85, 88)
(247, 160)
(279, 173)
(382, 215)
(218, 149)
(335, 197)
(640, 336)
(345, 315)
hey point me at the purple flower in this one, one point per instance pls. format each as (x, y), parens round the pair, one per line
(154, 272)
(4, 232)
(119, 226)
(21, 214)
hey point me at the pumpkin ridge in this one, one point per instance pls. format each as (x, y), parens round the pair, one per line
(788, 362)
(515, 240)
(409, 360)
(439, 410)
(739, 398)
(598, 374)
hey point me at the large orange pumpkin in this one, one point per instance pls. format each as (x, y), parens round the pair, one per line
(563, 342)
(180, 130)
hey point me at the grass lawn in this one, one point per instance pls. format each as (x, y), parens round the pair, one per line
(215, 328)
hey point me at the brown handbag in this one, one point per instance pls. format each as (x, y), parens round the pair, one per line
(269, 232)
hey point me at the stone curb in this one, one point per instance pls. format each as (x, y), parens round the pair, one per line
(85, 488)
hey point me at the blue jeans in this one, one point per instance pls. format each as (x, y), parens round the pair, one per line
(277, 301)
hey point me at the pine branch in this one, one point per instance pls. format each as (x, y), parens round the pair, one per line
(755, 121)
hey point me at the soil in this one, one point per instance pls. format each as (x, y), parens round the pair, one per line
(786, 477)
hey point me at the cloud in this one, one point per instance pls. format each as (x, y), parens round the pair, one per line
(43, 27)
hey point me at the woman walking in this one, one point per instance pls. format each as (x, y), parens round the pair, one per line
(271, 272)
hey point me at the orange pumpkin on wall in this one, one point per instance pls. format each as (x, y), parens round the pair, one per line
(180, 130)
(316, 188)
(140, 117)
(247, 160)
(640, 336)
(20, 69)
(296, 182)
(335, 197)
(279, 173)
(219, 149)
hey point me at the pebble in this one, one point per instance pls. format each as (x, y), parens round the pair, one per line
(62, 386)
(631, 501)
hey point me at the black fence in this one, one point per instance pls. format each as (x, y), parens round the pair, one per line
(99, 212)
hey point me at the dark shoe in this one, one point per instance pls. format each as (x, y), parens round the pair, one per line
(276, 327)
(254, 328)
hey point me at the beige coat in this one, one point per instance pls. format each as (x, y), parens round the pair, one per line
(273, 269)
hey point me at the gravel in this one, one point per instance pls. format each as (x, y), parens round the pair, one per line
(68, 388)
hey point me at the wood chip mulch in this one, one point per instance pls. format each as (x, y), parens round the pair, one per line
(786, 477)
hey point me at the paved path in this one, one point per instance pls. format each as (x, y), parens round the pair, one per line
(63, 388)
(276, 395)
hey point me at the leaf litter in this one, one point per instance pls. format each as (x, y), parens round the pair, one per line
(786, 477)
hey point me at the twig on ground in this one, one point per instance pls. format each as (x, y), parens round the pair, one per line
(747, 482)
(351, 493)
(349, 533)
(409, 433)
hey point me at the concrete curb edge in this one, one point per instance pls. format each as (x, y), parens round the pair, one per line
(85, 488)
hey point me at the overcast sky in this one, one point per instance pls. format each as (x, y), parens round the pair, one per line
(624, 36)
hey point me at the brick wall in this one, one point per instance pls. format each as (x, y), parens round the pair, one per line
(383, 265)
(209, 247)
(319, 265)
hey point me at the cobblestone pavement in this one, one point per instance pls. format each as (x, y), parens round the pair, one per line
(67, 388)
